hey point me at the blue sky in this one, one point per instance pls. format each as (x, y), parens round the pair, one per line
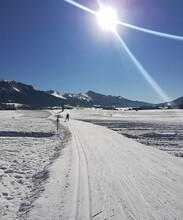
(52, 44)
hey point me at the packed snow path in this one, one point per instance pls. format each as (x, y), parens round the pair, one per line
(103, 175)
(83, 196)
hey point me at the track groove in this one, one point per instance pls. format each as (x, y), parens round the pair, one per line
(83, 197)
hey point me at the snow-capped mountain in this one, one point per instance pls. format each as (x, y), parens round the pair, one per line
(15, 92)
(56, 94)
(79, 96)
(96, 99)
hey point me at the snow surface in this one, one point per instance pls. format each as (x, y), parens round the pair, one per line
(56, 94)
(80, 96)
(161, 129)
(98, 174)
(84, 96)
(28, 145)
(14, 103)
(16, 89)
(4, 80)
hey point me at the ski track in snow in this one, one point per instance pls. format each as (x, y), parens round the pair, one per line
(83, 197)
(127, 184)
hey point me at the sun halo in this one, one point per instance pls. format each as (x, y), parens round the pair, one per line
(107, 19)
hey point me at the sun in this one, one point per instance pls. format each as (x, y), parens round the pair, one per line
(107, 18)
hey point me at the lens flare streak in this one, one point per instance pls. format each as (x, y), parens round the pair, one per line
(170, 36)
(147, 76)
(81, 6)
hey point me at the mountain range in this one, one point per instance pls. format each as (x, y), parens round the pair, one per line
(17, 93)
(27, 95)
(91, 99)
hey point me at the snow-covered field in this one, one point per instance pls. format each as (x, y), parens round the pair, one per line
(162, 129)
(86, 171)
(28, 145)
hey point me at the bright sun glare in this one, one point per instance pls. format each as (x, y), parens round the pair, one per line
(107, 18)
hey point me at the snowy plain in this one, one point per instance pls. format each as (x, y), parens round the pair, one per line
(162, 129)
(28, 145)
(86, 171)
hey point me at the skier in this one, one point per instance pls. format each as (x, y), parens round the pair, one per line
(67, 117)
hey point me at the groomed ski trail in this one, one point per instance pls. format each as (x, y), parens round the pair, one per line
(104, 175)
(83, 197)
(125, 179)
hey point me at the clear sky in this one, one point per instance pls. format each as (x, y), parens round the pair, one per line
(52, 44)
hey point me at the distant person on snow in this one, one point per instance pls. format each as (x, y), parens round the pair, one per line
(67, 117)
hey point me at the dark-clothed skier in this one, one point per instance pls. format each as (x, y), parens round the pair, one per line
(67, 117)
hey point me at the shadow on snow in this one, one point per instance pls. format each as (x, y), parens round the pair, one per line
(25, 134)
